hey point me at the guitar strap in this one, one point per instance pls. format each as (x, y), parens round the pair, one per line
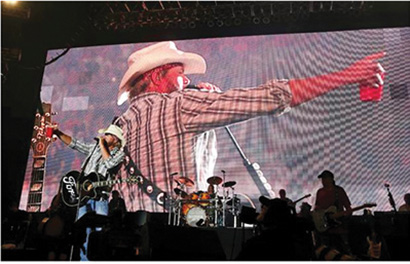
(147, 186)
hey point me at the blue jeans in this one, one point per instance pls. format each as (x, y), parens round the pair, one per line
(101, 208)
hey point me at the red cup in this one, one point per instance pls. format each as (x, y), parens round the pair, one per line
(369, 93)
(49, 131)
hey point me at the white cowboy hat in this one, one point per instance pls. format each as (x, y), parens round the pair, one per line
(154, 56)
(116, 131)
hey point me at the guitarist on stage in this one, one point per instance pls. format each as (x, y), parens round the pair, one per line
(332, 195)
(102, 158)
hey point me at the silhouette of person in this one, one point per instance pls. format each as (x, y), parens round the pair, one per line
(406, 206)
(276, 240)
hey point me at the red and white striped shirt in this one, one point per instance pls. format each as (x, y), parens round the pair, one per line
(161, 129)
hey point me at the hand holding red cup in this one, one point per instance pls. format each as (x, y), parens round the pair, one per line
(373, 92)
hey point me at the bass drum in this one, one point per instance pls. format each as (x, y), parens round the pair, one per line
(196, 216)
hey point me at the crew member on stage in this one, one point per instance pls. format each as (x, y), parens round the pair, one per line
(165, 122)
(333, 195)
(116, 204)
(104, 158)
(276, 238)
(406, 206)
(289, 202)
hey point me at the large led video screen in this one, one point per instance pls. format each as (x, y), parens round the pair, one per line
(366, 144)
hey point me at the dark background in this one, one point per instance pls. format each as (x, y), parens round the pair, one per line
(32, 28)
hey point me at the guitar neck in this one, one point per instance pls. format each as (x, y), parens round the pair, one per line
(253, 168)
(300, 199)
(108, 183)
(359, 207)
(40, 141)
(36, 185)
(339, 214)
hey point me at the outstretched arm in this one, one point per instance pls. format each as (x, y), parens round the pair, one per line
(64, 137)
(365, 71)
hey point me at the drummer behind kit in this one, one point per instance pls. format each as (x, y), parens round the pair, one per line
(200, 208)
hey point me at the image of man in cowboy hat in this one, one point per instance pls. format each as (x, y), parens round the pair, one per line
(103, 158)
(165, 122)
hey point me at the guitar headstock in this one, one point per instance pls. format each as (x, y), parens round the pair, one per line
(42, 132)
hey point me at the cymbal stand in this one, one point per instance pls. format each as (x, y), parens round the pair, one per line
(171, 201)
(224, 201)
(216, 206)
(178, 209)
(235, 208)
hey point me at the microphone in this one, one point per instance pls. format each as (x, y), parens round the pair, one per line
(192, 86)
(386, 184)
(222, 171)
(97, 139)
(197, 88)
(173, 174)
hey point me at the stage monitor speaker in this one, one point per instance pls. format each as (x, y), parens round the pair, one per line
(185, 243)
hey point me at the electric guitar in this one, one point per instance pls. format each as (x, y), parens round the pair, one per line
(40, 141)
(325, 219)
(75, 189)
(300, 199)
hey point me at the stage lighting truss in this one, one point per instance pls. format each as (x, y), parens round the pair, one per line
(113, 16)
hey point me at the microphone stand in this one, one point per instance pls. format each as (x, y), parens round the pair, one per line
(224, 201)
(391, 200)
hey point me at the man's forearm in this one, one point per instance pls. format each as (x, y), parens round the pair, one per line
(306, 89)
(104, 150)
(63, 137)
(365, 71)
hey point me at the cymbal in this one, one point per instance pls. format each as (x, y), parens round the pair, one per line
(180, 192)
(214, 180)
(229, 184)
(185, 181)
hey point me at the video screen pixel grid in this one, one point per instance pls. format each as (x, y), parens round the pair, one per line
(364, 143)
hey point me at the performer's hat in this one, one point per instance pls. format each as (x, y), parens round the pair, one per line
(154, 56)
(116, 131)
(325, 174)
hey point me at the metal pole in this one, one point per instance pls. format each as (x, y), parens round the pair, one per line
(224, 201)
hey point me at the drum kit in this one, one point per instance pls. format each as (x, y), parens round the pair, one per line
(203, 208)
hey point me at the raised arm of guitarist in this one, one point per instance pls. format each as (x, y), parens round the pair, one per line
(103, 144)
